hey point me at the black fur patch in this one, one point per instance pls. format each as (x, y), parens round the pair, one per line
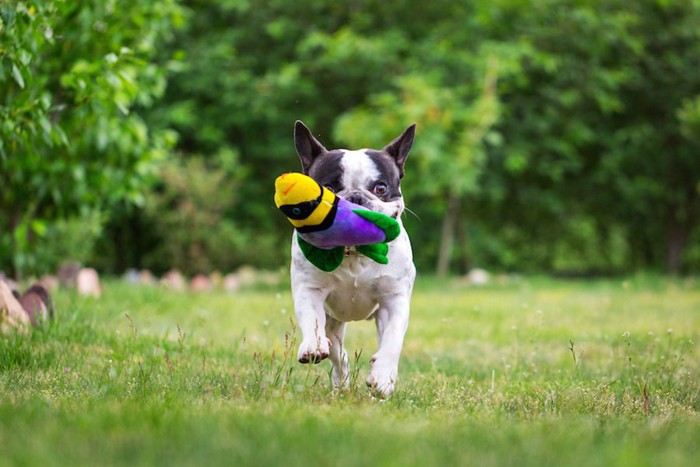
(327, 170)
(389, 174)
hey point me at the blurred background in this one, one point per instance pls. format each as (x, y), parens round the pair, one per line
(558, 137)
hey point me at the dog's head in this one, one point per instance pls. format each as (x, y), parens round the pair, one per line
(368, 177)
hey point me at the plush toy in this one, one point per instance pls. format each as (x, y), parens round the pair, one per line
(326, 224)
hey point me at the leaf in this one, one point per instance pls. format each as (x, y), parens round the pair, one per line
(39, 227)
(46, 128)
(20, 235)
(45, 101)
(7, 13)
(59, 136)
(24, 57)
(122, 103)
(17, 75)
(45, 124)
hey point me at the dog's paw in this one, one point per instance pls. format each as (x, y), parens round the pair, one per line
(380, 385)
(381, 379)
(314, 351)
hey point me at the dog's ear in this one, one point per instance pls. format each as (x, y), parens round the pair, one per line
(399, 148)
(307, 146)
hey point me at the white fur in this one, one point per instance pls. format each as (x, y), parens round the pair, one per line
(358, 169)
(359, 172)
(359, 289)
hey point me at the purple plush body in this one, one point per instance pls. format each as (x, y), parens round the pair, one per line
(348, 229)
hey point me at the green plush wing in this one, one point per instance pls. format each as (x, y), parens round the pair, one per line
(325, 260)
(375, 251)
(389, 225)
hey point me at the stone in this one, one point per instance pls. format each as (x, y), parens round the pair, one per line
(13, 285)
(231, 283)
(49, 282)
(249, 276)
(174, 280)
(216, 278)
(478, 277)
(12, 315)
(201, 283)
(246, 275)
(88, 283)
(132, 276)
(37, 303)
(68, 273)
(146, 277)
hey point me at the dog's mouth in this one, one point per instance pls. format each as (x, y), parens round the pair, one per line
(392, 209)
(388, 210)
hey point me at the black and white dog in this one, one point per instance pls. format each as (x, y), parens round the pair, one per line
(360, 288)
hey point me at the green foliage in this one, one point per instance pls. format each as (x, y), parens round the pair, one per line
(590, 132)
(530, 372)
(71, 238)
(193, 214)
(71, 74)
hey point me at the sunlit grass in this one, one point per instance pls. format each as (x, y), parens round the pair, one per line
(531, 371)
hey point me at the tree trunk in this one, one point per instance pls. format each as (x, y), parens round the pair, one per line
(448, 232)
(463, 242)
(676, 236)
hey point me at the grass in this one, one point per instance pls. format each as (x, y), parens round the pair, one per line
(531, 372)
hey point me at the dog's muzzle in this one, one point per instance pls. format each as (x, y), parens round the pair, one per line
(356, 198)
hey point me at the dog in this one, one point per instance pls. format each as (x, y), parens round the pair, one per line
(360, 289)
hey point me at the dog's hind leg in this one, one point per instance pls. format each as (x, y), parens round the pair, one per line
(335, 330)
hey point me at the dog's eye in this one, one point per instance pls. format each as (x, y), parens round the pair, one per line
(380, 189)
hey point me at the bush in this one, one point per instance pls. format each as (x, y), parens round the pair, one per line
(192, 214)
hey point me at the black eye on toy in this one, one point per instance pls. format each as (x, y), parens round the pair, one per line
(300, 210)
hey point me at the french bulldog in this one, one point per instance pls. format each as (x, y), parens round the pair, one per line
(359, 289)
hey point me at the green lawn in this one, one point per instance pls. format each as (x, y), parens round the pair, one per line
(531, 372)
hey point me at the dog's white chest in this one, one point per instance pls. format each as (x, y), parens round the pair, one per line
(355, 290)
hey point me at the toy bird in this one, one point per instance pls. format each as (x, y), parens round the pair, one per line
(326, 224)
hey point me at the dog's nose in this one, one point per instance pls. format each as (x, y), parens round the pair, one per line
(356, 198)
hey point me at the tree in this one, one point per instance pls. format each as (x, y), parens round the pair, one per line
(597, 135)
(71, 76)
(657, 148)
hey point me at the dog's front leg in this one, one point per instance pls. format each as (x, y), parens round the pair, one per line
(392, 322)
(308, 307)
